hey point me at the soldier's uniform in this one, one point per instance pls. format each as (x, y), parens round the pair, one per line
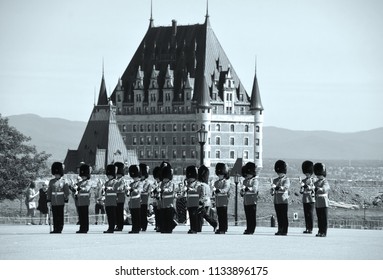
(193, 196)
(110, 192)
(322, 188)
(221, 192)
(83, 198)
(280, 191)
(146, 189)
(57, 196)
(203, 178)
(121, 193)
(308, 195)
(167, 199)
(249, 192)
(134, 193)
(155, 195)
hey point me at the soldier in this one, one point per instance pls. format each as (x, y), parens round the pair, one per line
(57, 196)
(221, 191)
(155, 195)
(280, 191)
(322, 188)
(110, 192)
(83, 198)
(308, 194)
(205, 202)
(193, 196)
(167, 198)
(121, 189)
(249, 192)
(146, 189)
(134, 192)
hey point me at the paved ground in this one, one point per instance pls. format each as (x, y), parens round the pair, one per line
(22, 242)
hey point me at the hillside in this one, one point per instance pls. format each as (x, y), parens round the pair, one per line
(56, 136)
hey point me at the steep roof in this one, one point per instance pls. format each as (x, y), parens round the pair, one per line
(187, 49)
(102, 96)
(255, 103)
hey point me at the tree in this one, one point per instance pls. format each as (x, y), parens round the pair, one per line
(19, 163)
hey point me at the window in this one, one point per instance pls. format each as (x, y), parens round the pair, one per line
(142, 128)
(217, 140)
(174, 127)
(257, 128)
(232, 141)
(156, 140)
(245, 155)
(184, 127)
(124, 128)
(163, 127)
(141, 140)
(174, 154)
(134, 140)
(163, 141)
(174, 140)
(148, 140)
(155, 154)
(141, 153)
(232, 154)
(217, 127)
(246, 128)
(257, 142)
(149, 127)
(149, 154)
(163, 153)
(193, 140)
(217, 154)
(257, 155)
(246, 141)
(134, 128)
(193, 127)
(232, 128)
(156, 127)
(193, 154)
(183, 154)
(183, 140)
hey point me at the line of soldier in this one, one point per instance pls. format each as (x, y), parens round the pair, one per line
(195, 189)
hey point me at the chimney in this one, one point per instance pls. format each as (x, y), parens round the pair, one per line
(174, 27)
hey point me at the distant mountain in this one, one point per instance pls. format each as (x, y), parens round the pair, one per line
(56, 136)
(52, 135)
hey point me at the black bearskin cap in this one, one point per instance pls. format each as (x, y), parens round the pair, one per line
(251, 168)
(191, 172)
(319, 169)
(166, 172)
(57, 168)
(156, 172)
(280, 167)
(85, 171)
(308, 167)
(134, 171)
(144, 169)
(111, 170)
(203, 174)
(221, 169)
(120, 168)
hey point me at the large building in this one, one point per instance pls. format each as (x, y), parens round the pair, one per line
(178, 81)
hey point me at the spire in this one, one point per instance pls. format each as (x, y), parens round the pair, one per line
(255, 103)
(102, 96)
(207, 22)
(151, 14)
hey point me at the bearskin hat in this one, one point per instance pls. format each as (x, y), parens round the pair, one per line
(166, 172)
(203, 174)
(120, 168)
(308, 167)
(84, 171)
(156, 172)
(57, 169)
(319, 169)
(111, 170)
(191, 172)
(243, 171)
(144, 169)
(134, 171)
(221, 169)
(251, 168)
(280, 166)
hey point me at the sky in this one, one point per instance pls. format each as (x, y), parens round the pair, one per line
(319, 63)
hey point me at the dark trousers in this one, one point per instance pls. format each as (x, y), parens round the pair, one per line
(222, 218)
(194, 219)
(251, 217)
(322, 214)
(282, 218)
(144, 217)
(111, 214)
(205, 215)
(308, 210)
(136, 219)
(83, 215)
(58, 217)
(157, 218)
(167, 223)
(120, 216)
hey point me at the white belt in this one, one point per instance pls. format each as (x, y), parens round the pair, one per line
(58, 193)
(322, 195)
(84, 194)
(136, 196)
(110, 194)
(167, 196)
